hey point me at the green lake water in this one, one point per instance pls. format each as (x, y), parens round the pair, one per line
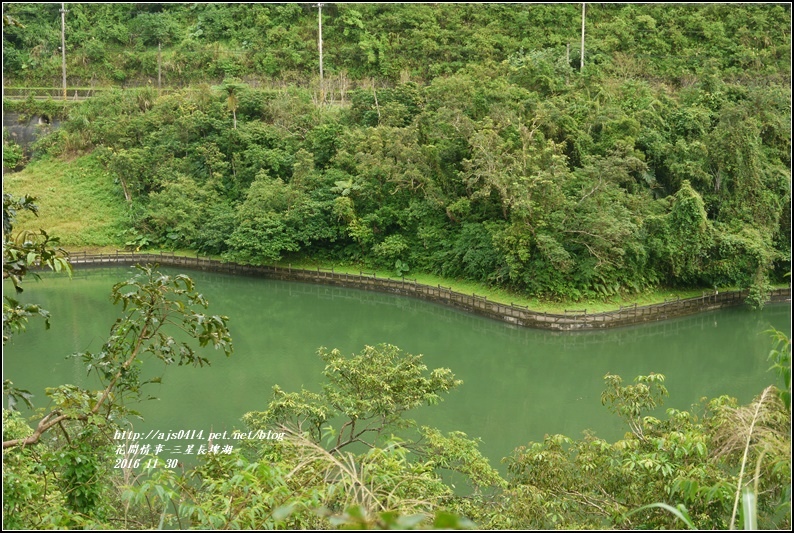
(519, 384)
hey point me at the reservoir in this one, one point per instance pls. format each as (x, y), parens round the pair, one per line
(519, 384)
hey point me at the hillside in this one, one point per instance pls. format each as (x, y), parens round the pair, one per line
(112, 44)
(459, 140)
(464, 142)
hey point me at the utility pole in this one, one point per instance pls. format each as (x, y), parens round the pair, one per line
(320, 46)
(581, 59)
(63, 46)
(159, 68)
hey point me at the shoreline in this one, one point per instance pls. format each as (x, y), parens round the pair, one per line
(570, 320)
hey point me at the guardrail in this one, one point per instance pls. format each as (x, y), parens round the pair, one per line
(73, 94)
(514, 314)
(54, 93)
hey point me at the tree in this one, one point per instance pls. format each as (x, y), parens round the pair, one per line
(352, 446)
(233, 87)
(371, 392)
(336, 460)
(275, 218)
(72, 471)
(22, 252)
(152, 303)
(75, 459)
(695, 462)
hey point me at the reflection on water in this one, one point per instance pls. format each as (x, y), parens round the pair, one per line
(519, 384)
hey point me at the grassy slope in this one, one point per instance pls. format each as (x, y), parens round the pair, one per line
(79, 202)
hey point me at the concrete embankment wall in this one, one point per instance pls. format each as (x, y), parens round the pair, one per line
(574, 320)
(28, 130)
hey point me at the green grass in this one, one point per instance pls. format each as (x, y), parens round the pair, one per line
(506, 297)
(463, 286)
(77, 200)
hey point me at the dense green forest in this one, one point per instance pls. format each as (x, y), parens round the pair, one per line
(465, 140)
(468, 143)
(272, 43)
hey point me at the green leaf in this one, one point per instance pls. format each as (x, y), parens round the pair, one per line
(445, 520)
(409, 522)
(679, 512)
(749, 509)
(283, 512)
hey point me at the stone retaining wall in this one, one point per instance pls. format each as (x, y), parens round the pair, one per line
(570, 320)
